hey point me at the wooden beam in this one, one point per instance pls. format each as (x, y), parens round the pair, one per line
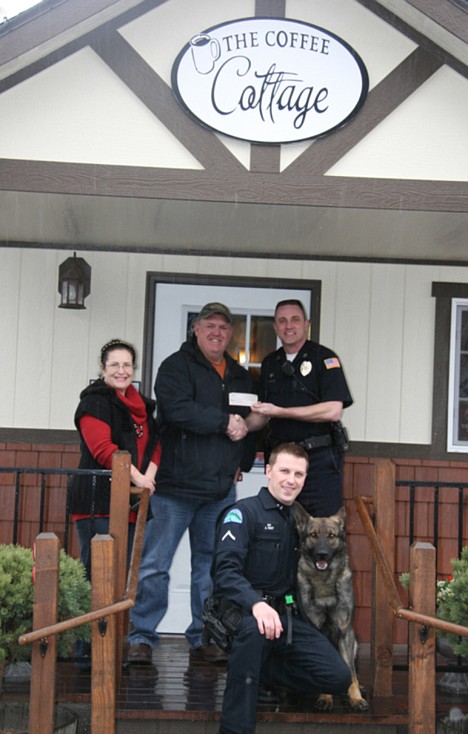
(42, 696)
(49, 28)
(422, 690)
(419, 30)
(238, 187)
(118, 529)
(270, 8)
(265, 158)
(392, 91)
(381, 611)
(103, 637)
(158, 97)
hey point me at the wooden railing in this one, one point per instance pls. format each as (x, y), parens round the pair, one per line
(387, 603)
(113, 593)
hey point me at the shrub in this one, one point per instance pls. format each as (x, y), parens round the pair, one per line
(17, 601)
(452, 600)
(453, 606)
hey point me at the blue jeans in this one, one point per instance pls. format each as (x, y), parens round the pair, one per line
(172, 515)
(87, 528)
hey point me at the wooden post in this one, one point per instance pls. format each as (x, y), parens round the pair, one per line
(422, 691)
(44, 652)
(118, 528)
(381, 612)
(103, 637)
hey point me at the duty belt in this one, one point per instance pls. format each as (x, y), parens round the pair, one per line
(283, 605)
(316, 442)
(277, 602)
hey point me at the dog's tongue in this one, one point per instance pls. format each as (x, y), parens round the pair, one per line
(321, 565)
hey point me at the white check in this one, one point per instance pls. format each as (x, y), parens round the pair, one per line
(242, 398)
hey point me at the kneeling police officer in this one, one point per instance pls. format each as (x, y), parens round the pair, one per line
(255, 569)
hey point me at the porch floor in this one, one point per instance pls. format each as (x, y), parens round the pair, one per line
(176, 688)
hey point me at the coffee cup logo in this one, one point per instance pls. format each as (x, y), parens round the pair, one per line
(205, 52)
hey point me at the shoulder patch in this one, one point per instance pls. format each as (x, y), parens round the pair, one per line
(234, 515)
(331, 362)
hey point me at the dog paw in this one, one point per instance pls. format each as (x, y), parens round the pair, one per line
(324, 702)
(359, 705)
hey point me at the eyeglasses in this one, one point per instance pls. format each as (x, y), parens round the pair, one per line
(119, 366)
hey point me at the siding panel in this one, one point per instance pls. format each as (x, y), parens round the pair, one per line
(385, 353)
(378, 317)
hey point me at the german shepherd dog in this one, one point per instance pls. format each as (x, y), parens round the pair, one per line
(325, 591)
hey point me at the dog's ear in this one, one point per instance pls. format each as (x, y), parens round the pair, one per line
(340, 518)
(301, 517)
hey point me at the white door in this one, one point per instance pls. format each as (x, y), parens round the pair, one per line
(173, 305)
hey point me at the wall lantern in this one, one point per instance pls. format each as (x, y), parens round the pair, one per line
(74, 282)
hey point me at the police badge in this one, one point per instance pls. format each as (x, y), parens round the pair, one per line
(305, 368)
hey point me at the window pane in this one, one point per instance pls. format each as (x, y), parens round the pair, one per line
(252, 339)
(464, 331)
(463, 420)
(237, 346)
(463, 386)
(262, 338)
(457, 433)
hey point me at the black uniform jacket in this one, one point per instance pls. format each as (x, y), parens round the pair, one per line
(197, 458)
(102, 402)
(257, 551)
(318, 377)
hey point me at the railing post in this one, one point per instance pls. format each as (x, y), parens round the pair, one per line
(422, 691)
(118, 528)
(381, 611)
(44, 652)
(103, 687)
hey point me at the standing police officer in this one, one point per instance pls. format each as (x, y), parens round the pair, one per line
(303, 391)
(255, 568)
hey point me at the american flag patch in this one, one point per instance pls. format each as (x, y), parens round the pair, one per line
(331, 362)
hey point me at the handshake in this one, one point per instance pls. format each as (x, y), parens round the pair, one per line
(237, 428)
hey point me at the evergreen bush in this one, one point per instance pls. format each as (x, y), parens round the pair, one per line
(452, 600)
(17, 601)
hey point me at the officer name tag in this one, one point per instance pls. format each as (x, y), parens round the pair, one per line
(242, 398)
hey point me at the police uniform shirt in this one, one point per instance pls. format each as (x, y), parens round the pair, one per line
(317, 377)
(257, 551)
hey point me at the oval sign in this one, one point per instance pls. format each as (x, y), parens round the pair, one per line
(270, 80)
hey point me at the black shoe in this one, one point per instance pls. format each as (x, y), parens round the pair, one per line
(140, 654)
(267, 695)
(84, 664)
(209, 653)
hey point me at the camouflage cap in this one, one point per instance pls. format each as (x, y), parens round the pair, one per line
(209, 309)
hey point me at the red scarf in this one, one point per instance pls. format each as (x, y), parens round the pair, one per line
(134, 402)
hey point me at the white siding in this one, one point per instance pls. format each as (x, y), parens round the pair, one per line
(378, 317)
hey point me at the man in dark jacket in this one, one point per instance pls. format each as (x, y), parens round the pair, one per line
(201, 435)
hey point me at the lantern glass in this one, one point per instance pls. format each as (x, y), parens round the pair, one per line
(74, 282)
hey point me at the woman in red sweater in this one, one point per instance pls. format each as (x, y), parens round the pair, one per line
(111, 416)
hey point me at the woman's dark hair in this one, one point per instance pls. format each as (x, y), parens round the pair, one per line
(116, 344)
